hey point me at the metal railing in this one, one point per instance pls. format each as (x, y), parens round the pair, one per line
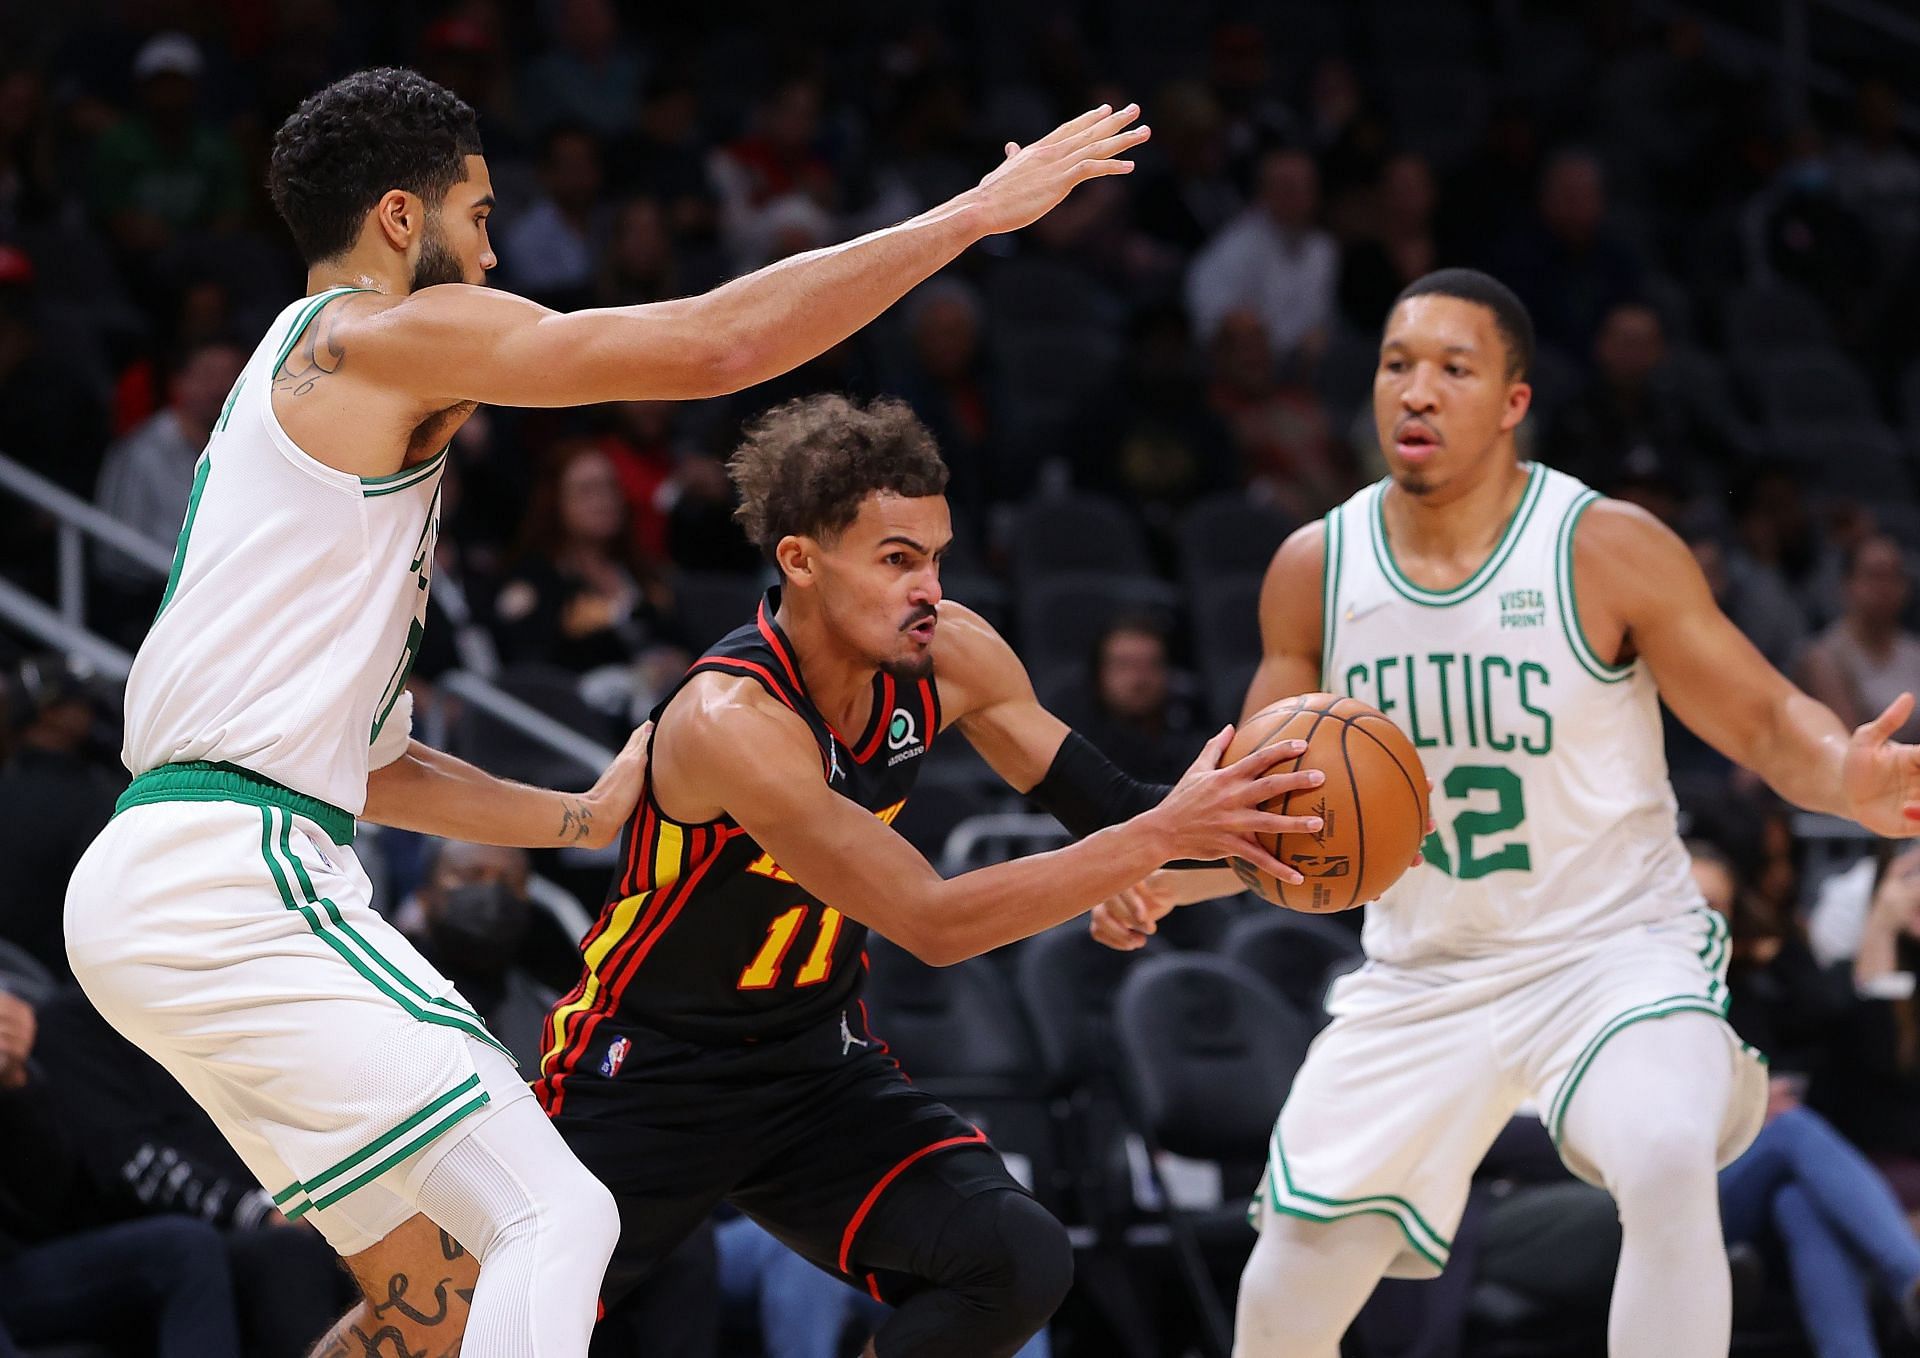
(64, 627)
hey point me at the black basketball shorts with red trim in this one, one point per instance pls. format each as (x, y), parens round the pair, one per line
(814, 1136)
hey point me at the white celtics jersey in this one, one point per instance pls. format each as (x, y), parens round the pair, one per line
(1555, 820)
(294, 607)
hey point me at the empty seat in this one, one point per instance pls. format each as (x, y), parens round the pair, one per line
(1807, 387)
(1062, 533)
(1775, 318)
(1298, 955)
(1226, 622)
(1856, 460)
(1060, 616)
(709, 604)
(1229, 535)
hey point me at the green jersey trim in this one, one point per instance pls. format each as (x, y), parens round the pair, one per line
(1433, 1246)
(325, 919)
(1473, 584)
(200, 473)
(1570, 602)
(404, 479)
(201, 781)
(468, 1098)
(302, 321)
(1330, 545)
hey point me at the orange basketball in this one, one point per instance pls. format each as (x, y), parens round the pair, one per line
(1374, 802)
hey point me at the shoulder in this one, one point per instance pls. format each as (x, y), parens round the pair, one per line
(1626, 559)
(1290, 595)
(731, 719)
(975, 665)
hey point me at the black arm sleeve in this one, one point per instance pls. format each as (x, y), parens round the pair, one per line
(1085, 791)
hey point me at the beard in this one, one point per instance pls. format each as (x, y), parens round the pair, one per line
(911, 670)
(437, 262)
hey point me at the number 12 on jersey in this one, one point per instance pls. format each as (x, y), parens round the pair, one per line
(763, 973)
(1472, 824)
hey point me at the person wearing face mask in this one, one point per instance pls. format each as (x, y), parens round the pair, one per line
(471, 917)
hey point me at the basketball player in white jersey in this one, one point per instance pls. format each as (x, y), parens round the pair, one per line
(221, 921)
(1552, 950)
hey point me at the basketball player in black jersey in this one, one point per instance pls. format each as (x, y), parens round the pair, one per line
(716, 1047)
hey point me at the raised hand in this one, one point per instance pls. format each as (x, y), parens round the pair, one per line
(1214, 811)
(605, 808)
(1034, 178)
(1881, 777)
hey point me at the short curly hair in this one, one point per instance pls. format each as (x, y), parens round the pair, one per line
(806, 466)
(359, 138)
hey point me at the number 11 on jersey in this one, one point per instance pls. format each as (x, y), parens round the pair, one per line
(763, 973)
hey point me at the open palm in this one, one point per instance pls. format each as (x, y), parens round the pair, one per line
(1033, 179)
(1881, 777)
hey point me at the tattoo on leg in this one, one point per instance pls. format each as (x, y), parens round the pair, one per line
(450, 1248)
(575, 822)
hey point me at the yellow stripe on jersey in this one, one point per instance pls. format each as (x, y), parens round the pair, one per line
(764, 865)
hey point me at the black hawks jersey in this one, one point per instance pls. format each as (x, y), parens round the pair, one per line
(703, 936)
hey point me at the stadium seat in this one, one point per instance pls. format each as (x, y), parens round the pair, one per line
(503, 750)
(1859, 460)
(1229, 535)
(1227, 689)
(1775, 318)
(1069, 533)
(1209, 1054)
(932, 811)
(1297, 955)
(709, 604)
(1226, 622)
(1061, 615)
(1807, 387)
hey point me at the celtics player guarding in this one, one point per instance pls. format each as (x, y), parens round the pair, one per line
(220, 921)
(1553, 950)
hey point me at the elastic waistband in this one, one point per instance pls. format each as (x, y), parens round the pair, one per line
(201, 781)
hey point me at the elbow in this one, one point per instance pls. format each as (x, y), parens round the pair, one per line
(934, 942)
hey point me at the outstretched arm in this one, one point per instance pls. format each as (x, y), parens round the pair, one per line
(450, 344)
(432, 793)
(733, 750)
(1641, 591)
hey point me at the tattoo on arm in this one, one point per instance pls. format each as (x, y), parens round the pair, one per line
(316, 356)
(450, 1248)
(576, 821)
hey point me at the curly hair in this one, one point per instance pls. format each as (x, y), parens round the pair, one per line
(360, 137)
(806, 466)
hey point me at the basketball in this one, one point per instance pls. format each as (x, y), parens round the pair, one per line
(1374, 802)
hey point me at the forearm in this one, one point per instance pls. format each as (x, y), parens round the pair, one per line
(992, 906)
(1801, 754)
(1879, 953)
(432, 793)
(773, 320)
(1201, 884)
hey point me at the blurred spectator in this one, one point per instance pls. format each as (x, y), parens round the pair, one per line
(1635, 420)
(1878, 175)
(147, 474)
(1273, 260)
(1280, 430)
(462, 51)
(1397, 244)
(49, 418)
(1128, 706)
(590, 75)
(54, 798)
(1866, 659)
(472, 919)
(578, 595)
(164, 170)
(778, 160)
(65, 1278)
(1801, 1182)
(30, 188)
(665, 159)
(701, 532)
(1191, 198)
(638, 264)
(1778, 535)
(1800, 230)
(1564, 263)
(1152, 439)
(548, 251)
(149, 1151)
(1240, 75)
(1348, 135)
(946, 384)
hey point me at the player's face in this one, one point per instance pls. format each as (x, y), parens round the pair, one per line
(453, 244)
(880, 581)
(1442, 401)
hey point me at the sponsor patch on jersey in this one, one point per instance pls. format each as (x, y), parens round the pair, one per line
(616, 1057)
(1521, 608)
(903, 737)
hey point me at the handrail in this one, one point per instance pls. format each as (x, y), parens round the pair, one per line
(529, 720)
(30, 615)
(71, 509)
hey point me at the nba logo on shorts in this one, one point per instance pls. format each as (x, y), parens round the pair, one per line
(616, 1055)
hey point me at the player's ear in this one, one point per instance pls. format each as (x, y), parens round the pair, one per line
(794, 555)
(1519, 401)
(398, 216)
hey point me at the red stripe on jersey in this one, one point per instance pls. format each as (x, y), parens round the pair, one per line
(880, 720)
